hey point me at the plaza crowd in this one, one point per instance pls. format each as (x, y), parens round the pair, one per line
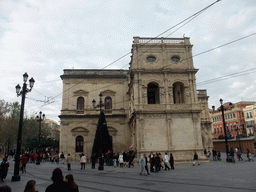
(156, 162)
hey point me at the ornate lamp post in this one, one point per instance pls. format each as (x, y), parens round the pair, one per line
(39, 118)
(224, 125)
(16, 176)
(100, 104)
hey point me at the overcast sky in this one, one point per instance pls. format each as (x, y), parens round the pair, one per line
(43, 37)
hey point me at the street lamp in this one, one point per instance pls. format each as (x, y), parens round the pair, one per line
(224, 125)
(100, 104)
(16, 176)
(39, 118)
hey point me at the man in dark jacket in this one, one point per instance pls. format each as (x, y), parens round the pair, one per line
(58, 184)
(152, 161)
(195, 159)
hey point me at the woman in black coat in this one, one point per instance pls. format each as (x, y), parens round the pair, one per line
(171, 161)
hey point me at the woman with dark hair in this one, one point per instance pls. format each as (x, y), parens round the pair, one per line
(58, 184)
(5, 188)
(70, 180)
(31, 186)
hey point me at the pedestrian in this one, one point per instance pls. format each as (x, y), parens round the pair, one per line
(58, 184)
(62, 158)
(4, 166)
(5, 188)
(121, 160)
(142, 164)
(56, 158)
(69, 162)
(205, 152)
(30, 186)
(24, 161)
(114, 159)
(146, 164)
(232, 155)
(195, 159)
(166, 160)
(161, 160)
(171, 161)
(152, 161)
(93, 158)
(219, 156)
(249, 155)
(208, 154)
(70, 180)
(214, 155)
(239, 154)
(83, 161)
(157, 163)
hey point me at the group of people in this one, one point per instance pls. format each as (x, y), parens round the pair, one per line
(58, 185)
(155, 161)
(216, 155)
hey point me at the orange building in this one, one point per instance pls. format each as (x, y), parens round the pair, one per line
(234, 119)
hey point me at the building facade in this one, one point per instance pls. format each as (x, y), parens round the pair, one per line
(153, 106)
(250, 118)
(234, 118)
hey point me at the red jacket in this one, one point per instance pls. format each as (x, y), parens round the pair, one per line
(24, 160)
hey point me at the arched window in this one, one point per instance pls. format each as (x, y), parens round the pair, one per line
(79, 144)
(218, 130)
(80, 103)
(178, 93)
(214, 130)
(108, 103)
(153, 93)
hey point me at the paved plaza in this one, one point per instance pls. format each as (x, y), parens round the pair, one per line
(214, 176)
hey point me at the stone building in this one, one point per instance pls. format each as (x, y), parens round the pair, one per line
(153, 106)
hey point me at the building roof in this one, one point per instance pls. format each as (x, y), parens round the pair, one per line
(92, 73)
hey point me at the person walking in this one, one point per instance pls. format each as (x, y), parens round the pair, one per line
(152, 161)
(171, 161)
(121, 160)
(83, 161)
(24, 161)
(62, 158)
(93, 158)
(70, 180)
(157, 163)
(142, 164)
(219, 156)
(166, 160)
(195, 159)
(69, 162)
(4, 169)
(58, 184)
(249, 155)
(232, 155)
(239, 154)
(146, 164)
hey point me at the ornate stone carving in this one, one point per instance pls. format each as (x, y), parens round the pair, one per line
(79, 131)
(80, 93)
(108, 93)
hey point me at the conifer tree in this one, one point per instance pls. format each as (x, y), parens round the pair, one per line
(102, 141)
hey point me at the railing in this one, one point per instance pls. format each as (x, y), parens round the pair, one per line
(160, 40)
